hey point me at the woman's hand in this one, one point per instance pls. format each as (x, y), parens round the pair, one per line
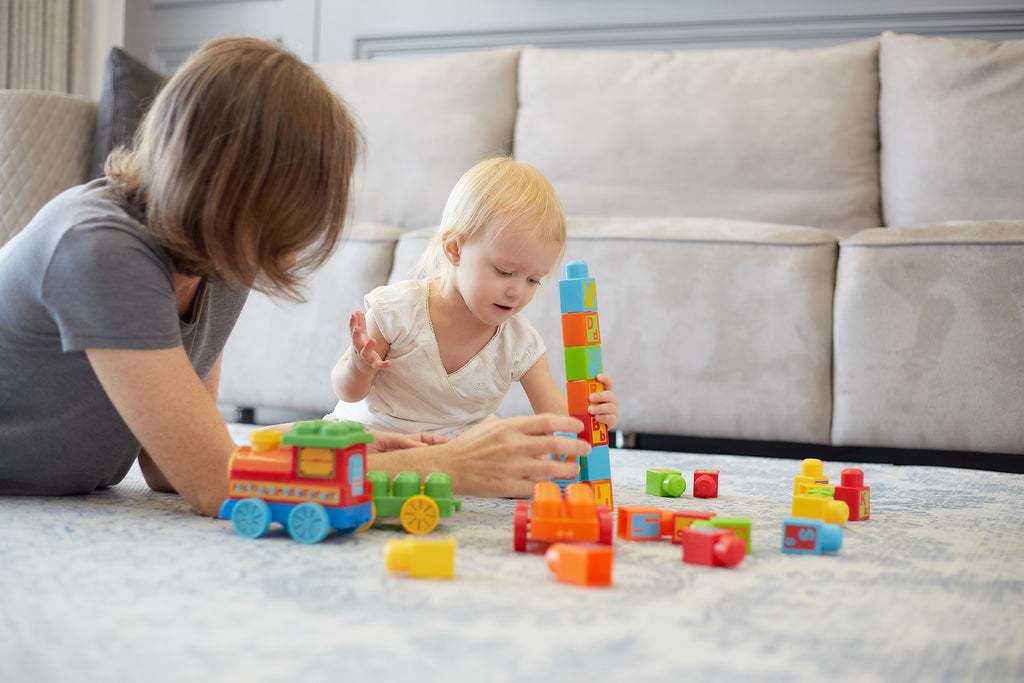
(506, 457)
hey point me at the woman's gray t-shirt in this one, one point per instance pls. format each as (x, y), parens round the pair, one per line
(84, 274)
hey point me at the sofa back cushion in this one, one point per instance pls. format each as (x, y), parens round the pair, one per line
(709, 327)
(783, 136)
(951, 129)
(46, 142)
(427, 121)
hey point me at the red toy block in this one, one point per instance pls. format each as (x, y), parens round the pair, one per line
(584, 564)
(712, 547)
(705, 483)
(580, 329)
(594, 432)
(852, 491)
(578, 392)
(682, 519)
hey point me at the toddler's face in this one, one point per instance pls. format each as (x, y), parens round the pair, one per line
(498, 275)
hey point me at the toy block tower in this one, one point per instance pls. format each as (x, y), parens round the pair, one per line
(581, 338)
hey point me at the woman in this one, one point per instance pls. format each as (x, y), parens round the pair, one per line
(119, 296)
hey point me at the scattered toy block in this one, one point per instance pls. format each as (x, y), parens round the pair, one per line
(852, 491)
(804, 536)
(643, 523)
(712, 547)
(811, 472)
(739, 525)
(820, 507)
(705, 483)
(682, 519)
(665, 482)
(421, 557)
(583, 564)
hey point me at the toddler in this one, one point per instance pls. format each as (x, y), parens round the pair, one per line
(438, 354)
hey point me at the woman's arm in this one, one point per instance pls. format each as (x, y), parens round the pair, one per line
(498, 457)
(174, 417)
(155, 479)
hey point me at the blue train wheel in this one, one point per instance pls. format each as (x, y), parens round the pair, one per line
(309, 523)
(251, 518)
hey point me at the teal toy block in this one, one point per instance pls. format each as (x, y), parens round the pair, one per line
(577, 292)
(562, 483)
(805, 536)
(582, 362)
(665, 482)
(597, 465)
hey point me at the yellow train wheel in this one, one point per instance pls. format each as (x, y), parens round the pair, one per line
(419, 514)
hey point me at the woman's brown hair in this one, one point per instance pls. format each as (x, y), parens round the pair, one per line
(244, 161)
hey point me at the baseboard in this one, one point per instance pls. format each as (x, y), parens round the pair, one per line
(999, 462)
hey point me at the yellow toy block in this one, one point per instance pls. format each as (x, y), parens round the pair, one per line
(821, 507)
(811, 472)
(421, 557)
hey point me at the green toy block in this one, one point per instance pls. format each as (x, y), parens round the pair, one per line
(582, 362)
(665, 482)
(740, 525)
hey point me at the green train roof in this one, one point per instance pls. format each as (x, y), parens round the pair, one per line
(326, 434)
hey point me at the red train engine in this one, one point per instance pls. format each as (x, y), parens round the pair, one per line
(311, 480)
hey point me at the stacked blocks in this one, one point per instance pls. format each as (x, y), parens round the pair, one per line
(581, 337)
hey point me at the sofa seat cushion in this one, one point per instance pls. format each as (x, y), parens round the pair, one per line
(712, 328)
(46, 142)
(280, 355)
(929, 338)
(950, 114)
(783, 136)
(427, 120)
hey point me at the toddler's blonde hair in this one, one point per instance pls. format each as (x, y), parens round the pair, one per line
(500, 192)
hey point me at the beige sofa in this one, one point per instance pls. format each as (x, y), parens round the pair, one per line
(731, 205)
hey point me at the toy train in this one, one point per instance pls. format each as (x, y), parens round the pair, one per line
(314, 479)
(311, 480)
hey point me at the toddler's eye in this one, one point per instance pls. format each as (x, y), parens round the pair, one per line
(503, 273)
(534, 281)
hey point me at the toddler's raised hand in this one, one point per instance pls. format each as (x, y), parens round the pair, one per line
(603, 404)
(362, 344)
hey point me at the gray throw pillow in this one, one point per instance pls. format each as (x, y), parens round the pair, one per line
(129, 87)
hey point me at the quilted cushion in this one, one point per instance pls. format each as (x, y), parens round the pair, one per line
(129, 87)
(46, 142)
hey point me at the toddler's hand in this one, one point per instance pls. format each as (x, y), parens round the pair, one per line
(362, 344)
(603, 404)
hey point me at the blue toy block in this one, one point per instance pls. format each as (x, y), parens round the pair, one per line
(577, 292)
(598, 464)
(562, 483)
(806, 536)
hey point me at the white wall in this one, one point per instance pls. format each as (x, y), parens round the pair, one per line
(163, 32)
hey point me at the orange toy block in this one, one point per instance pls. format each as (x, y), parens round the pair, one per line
(643, 523)
(580, 329)
(584, 564)
(578, 392)
(603, 492)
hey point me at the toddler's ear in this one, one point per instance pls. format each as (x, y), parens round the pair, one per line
(451, 245)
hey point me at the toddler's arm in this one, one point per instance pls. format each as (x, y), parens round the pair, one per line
(356, 370)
